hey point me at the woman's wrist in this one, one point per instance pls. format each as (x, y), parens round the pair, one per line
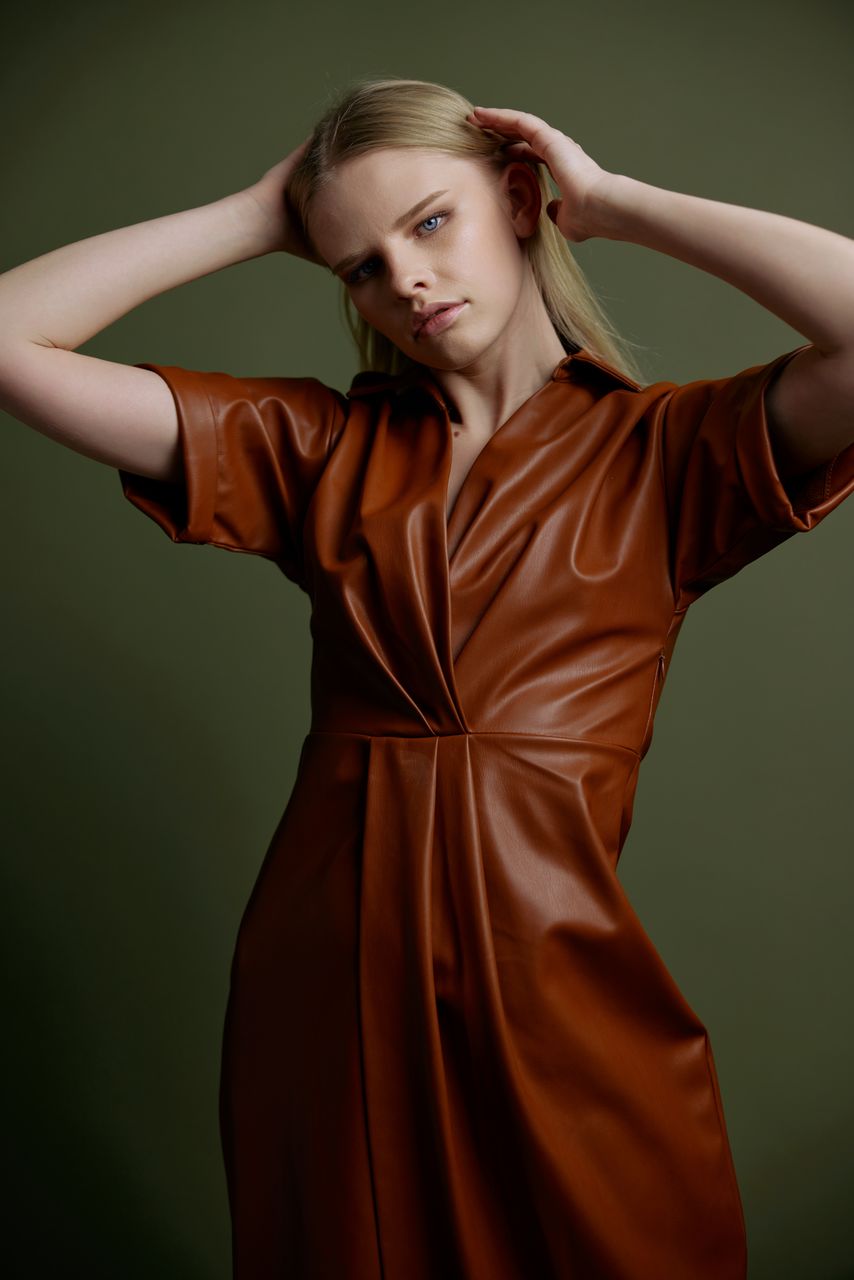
(607, 206)
(263, 228)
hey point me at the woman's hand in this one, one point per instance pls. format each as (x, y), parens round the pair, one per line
(269, 194)
(576, 176)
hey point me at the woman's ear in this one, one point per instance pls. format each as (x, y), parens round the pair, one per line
(524, 200)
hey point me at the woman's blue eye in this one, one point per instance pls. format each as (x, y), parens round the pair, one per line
(355, 278)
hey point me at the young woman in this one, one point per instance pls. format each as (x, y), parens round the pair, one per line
(451, 1050)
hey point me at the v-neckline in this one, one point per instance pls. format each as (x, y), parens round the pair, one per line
(432, 389)
(428, 384)
(488, 446)
(446, 521)
(419, 378)
(440, 521)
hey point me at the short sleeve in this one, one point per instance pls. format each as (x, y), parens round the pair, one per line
(727, 504)
(253, 450)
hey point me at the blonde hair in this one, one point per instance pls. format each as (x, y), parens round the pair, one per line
(397, 112)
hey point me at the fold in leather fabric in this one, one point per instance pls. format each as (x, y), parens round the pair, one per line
(727, 502)
(253, 449)
(450, 1048)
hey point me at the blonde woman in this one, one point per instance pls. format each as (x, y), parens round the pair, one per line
(451, 1049)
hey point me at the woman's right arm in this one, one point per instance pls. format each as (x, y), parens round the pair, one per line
(114, 413)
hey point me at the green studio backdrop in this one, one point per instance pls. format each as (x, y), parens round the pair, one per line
(156, 696)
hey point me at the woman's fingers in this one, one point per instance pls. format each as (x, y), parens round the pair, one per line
(518, 132)
(528, 137)
(506, 120)
(533, 136)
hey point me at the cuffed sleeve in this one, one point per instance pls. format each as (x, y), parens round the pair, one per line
(727, 504)
(253, 450)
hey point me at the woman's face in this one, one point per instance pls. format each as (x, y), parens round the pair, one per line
(407, 228)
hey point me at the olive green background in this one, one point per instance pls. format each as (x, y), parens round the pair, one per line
(155, 696)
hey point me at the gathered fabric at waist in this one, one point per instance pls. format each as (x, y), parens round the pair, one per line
(522, 734)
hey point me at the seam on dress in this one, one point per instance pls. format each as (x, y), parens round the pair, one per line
(670, 533)
(216, 486)
(305, 575)
(479, 733)
(829, 474)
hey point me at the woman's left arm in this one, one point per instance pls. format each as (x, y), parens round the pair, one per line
(802, 273)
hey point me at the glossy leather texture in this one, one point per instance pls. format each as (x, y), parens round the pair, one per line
(451, 1050)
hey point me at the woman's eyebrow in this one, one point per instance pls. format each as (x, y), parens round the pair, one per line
(353, 258)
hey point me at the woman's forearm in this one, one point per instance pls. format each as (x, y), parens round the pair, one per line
(802, 273)
(64, 297)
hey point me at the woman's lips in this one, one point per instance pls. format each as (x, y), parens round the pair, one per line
(438, 321)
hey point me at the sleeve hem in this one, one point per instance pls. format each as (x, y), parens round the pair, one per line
(198, 432)
(797, 505)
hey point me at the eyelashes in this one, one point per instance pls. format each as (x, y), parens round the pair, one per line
(355, 278)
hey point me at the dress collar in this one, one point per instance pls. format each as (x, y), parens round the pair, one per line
(370, 381)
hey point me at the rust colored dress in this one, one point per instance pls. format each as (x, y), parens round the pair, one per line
(451, 1051)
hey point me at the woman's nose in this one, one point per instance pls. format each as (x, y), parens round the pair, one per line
(408, 274)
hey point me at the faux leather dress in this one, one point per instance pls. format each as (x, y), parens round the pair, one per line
(451, 1051)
